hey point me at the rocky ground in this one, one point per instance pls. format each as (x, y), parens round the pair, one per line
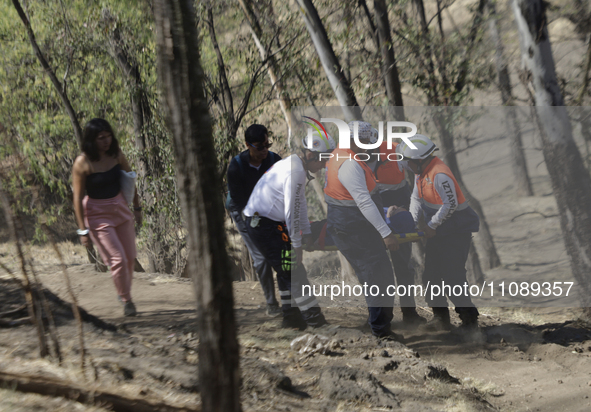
(521, 360)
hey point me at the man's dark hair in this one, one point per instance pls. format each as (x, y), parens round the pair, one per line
(255, 133)
(91, 131)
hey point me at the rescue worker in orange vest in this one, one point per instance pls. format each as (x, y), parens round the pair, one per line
(356, 222)
(450, 222)
(395, 191)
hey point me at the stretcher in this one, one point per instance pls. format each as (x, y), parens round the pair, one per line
(402, 227)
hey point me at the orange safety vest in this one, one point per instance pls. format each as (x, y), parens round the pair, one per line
(426, 187)
(388, 174)
(334, 192)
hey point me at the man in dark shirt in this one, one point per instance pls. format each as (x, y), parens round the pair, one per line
(244, 172)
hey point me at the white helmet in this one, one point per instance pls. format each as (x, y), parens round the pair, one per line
(365, 131)
(425, 147)
(319, 143)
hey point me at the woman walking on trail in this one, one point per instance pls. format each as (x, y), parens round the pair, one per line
(103, 215)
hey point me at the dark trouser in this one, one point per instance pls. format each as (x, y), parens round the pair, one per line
(272, 239)
(405, 272)
(445, 261)
(401, 259)
(261, 265)
(364, 248)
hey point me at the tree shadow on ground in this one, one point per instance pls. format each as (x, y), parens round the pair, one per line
(522, 336)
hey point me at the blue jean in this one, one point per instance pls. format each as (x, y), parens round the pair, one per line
(261, 265)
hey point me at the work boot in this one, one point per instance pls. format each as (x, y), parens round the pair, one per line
(440, 321)
(294, 322)
(410, 317)
(469, 317)
(318, 322)
(273, 310)
(388, 335)
(129, 309)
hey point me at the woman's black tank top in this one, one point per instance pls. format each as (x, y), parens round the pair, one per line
(104, 185)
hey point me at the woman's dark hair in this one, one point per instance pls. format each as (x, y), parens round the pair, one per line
(255, 133)
(91, 131)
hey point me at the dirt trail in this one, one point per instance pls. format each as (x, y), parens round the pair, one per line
(523, 359)
(512, 365)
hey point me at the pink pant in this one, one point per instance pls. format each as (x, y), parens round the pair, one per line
(111, 225)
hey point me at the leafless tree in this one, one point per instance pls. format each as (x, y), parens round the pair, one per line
(570, 180)
(518, 162)
(199, 185)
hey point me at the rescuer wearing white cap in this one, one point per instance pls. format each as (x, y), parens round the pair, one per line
(356, 223)
(395, 191)
(450, 222)
(277, 217)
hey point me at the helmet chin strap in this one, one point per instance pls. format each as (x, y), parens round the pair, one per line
(420, 166)
(305, 161)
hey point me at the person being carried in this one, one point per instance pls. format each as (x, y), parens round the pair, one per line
(450, 222)
(103, 215)
(358, 228)
(244, 172)
(277, 220)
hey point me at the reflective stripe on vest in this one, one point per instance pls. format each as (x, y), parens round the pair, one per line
(426, 185)
(388, 174)
(334, 192)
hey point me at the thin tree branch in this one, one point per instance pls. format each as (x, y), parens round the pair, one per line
(56, 83)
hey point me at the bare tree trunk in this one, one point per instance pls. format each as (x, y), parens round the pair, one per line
(61, 90)
(370, 20)
(492, 259)
(389, 68)
(570, 180)
(199, 186)
(222, 93)
(93, 258)
(159, 260)
(338, 81)
(581, 18)
(518, 162)
(272, 66)
(33, 304)
(586, 69)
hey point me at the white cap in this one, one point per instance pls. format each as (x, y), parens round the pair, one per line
(365, 131)
(319, 143)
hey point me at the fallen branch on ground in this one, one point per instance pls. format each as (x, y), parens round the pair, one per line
(52, 386)
(13, 312)
(9, 323)
(529, 213)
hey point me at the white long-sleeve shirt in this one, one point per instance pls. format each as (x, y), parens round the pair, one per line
(445, 187)
(352, 176)
(280, 195)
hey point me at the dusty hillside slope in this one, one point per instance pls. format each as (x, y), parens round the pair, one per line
(524, 359)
